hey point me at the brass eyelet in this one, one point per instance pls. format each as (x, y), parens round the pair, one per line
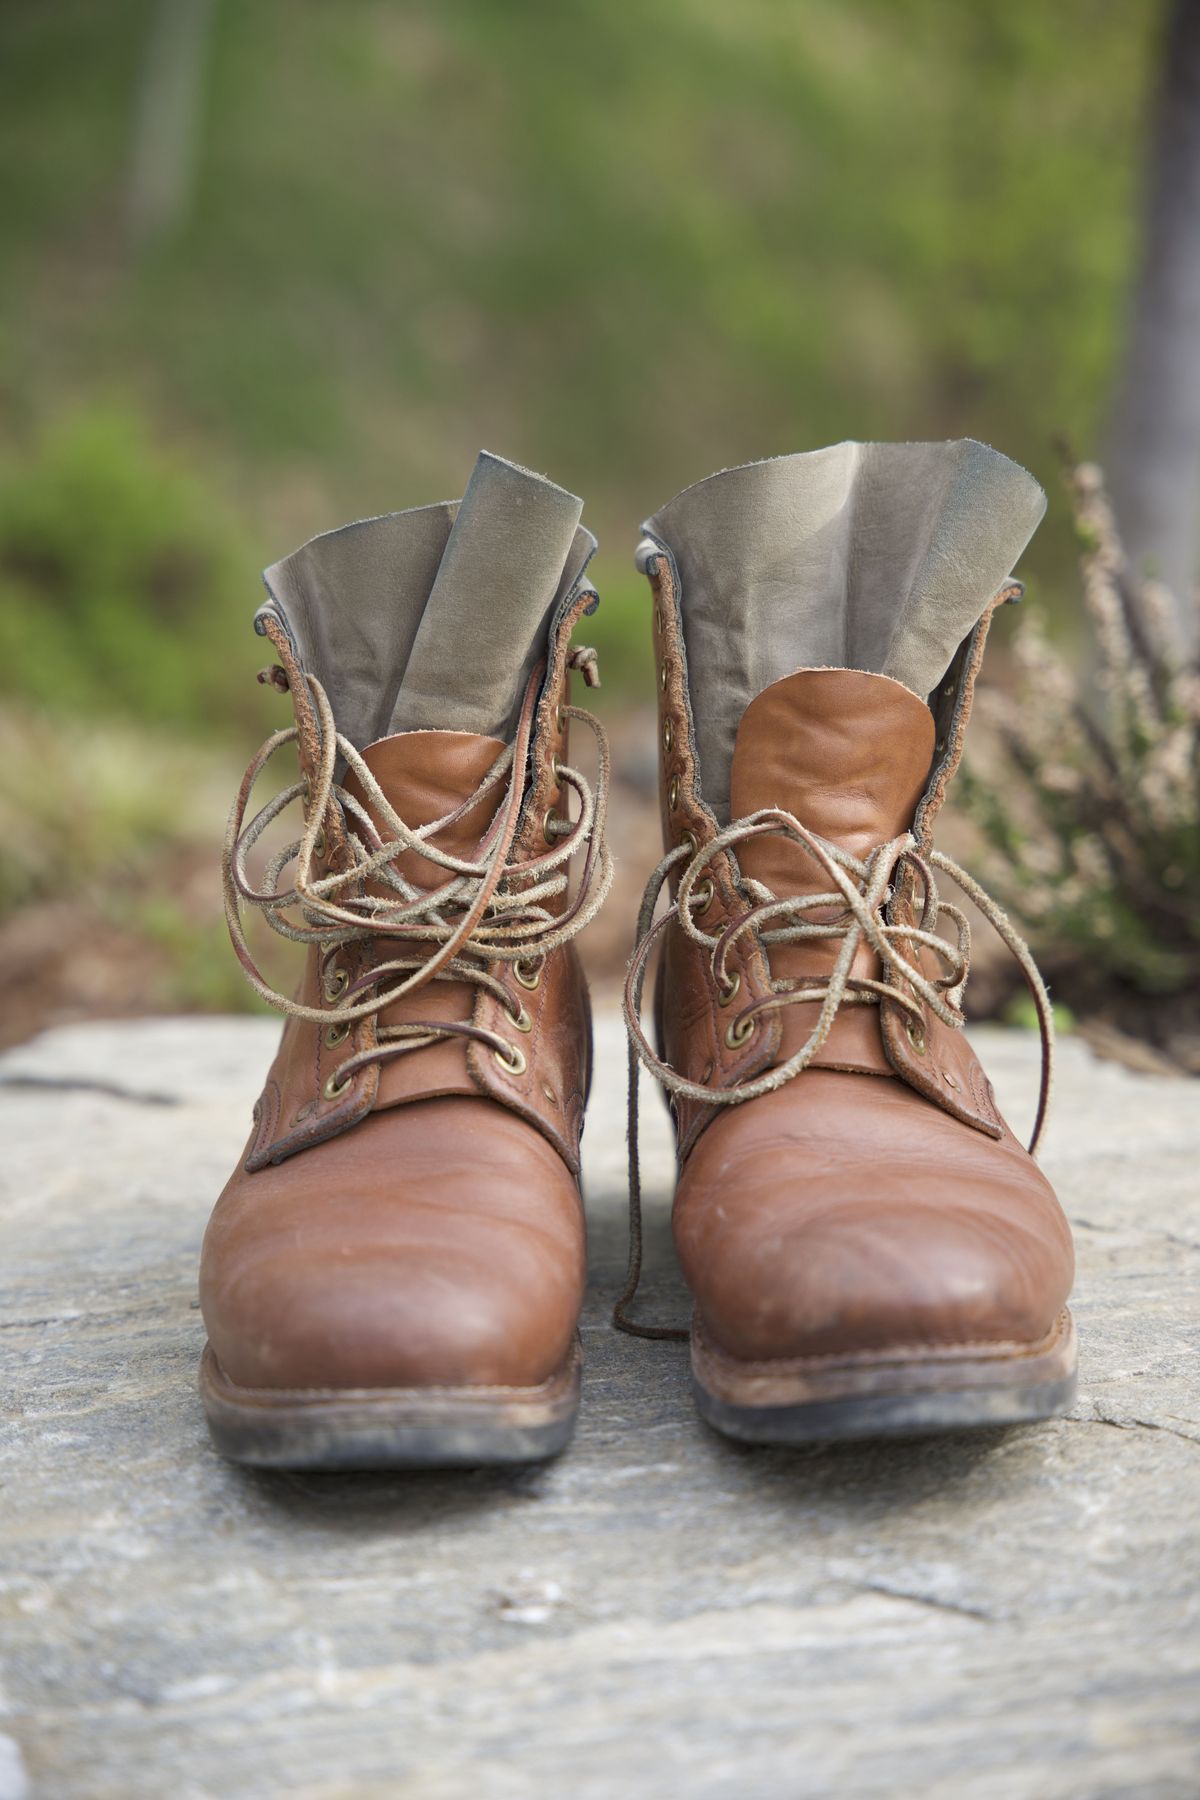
(319, 846)
(657, 616)
(520, 1020)
(514, 1063)
(556, 768)
(529, 974)
(305, 791)
(738, 1031)
(560, 719)
(336, 1034)
(687, 842)
(673, 793)
(336, 983)
(729, 994)
(702, 894)
(662, 678)
(915, 1032)
(334, 1089)
(550, 826)
(668, 735)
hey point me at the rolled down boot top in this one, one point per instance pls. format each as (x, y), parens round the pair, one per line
(868, 1245)
(833, 608)
(821, 619)
(410, 644)
(433, 619)
(876, 557)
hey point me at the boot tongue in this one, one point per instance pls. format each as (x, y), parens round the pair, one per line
(436, 617)
(424, 775)
(847, 753)
(485, 621)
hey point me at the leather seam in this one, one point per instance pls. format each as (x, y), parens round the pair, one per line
(272, 1396)
(998, 1349)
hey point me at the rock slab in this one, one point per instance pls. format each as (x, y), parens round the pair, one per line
(657, 1613)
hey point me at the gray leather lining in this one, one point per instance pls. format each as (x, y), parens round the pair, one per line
(485, 621)
(433, 619)
(863, 556)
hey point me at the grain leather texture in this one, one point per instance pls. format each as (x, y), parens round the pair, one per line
(438, 1245)
(424, 1229)
(877, 1202)
(845, 1213)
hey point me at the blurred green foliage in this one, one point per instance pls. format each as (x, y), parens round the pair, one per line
(627, 245)
(81, 798)
(117, 573)
(1089, 812)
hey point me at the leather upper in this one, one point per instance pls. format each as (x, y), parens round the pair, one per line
(440, 1245)
(876, 1202)
(844, 1213)
(426, 1228)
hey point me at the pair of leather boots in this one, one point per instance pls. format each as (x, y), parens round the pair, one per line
(394, 1273)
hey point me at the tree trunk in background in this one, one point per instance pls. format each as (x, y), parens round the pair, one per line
(166, 145)
(1154, 448)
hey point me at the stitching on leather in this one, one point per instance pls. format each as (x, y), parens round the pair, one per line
(697, 817)
(995, 1349)
(269, 1103)
(554, 694)
(981, 1092)
(365, 1396)
(503, 1090)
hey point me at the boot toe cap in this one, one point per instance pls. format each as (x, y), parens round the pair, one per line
(804, 1232)
(398, 1258)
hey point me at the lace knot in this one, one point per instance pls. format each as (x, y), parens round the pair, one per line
(494, 906)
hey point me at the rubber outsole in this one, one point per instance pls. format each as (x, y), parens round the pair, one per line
(389, 1428)
(827, 1400)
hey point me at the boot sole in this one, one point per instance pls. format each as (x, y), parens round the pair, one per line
(818, 1400)
(389, 1428)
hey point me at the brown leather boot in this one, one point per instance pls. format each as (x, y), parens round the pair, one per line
(394, 1273)
(869, 1248)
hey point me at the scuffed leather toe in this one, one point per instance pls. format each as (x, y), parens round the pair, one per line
(844, 1214)
(438, 1245)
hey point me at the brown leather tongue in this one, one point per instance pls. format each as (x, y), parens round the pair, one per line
(848, 755)
(425, 775)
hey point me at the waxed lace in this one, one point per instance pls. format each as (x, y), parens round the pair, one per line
(862, 891)
(489, 908)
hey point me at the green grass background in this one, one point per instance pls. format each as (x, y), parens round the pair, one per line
(624, 244)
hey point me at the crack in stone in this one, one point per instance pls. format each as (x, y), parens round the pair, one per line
(959, 1607)
(67, 1084)
(1141, 1229)
(1187, 1437)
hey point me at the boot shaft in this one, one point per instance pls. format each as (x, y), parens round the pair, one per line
(819, 621)
(434, 618)
(882, 558)
(428, 662)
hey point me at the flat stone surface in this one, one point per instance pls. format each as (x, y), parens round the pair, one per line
(659, 1612)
